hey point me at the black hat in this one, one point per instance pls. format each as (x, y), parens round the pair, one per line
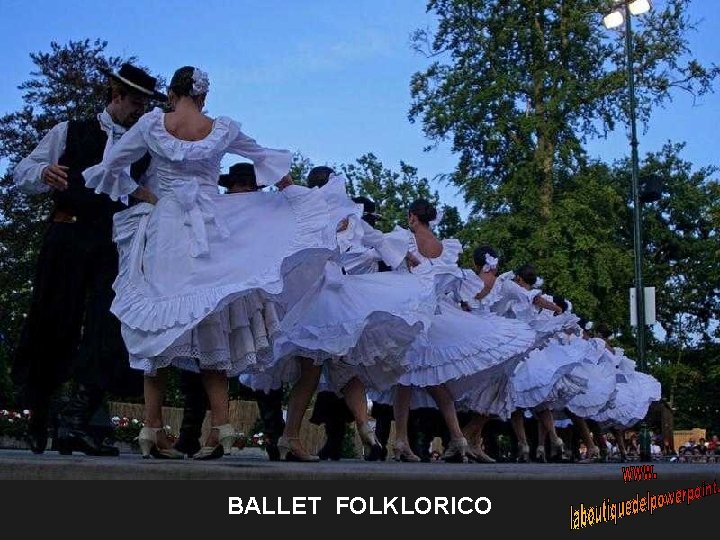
(240, 173)
(369, 208)
(138, 80)
(319, 176)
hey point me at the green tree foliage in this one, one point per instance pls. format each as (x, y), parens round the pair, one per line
(518, 86)
(392, 191)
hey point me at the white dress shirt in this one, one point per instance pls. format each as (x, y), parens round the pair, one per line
(28, 173)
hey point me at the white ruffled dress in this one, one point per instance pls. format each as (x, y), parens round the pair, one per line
(490, 392)
(199, 269)
(595, 366)
(635, 392)
(355, 321)
(460, 348)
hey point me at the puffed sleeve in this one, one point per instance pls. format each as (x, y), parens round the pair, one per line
(110, 176)
(270, 165)
(28, 173)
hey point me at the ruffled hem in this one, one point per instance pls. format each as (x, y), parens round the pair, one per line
(552, 396)
(420, 398)
(381, 339)
(484, 348)
(339, 373)
(235, 339)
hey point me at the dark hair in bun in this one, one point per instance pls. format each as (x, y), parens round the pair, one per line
(423, 210)
(181, 83)
(480, 252)
(527, 273)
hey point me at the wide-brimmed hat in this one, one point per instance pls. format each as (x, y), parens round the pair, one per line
(138, 80)
(240, 173)
(369, 208)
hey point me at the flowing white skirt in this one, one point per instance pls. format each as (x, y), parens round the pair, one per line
(197, 280)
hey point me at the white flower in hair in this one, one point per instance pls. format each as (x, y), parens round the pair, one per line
(201, 82)
(490, 263)
(435, 222)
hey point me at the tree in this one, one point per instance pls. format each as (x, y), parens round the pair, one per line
(519, 86)
(393, 192)
(69, 82)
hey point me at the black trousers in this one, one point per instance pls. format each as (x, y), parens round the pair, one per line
(70, 331)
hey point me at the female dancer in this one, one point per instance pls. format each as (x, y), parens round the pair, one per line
(193, 262)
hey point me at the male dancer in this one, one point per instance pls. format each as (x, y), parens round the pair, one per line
(70, 330)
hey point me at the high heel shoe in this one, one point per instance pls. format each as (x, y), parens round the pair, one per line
(540, 454)
(291, 450)
(148, 441)
(458, 451)
(558, 450)
(523, 453)
(371, 445)
(403, 453)
(478, 455)
(226, 437)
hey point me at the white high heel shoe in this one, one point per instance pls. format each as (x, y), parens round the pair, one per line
(148, 441)
(291, 450)
(478, 455)
(458, 451)
(368, 438)
(226, 439)
(523, 453)
(403, 452)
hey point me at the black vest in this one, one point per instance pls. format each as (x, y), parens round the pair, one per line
(84, 147)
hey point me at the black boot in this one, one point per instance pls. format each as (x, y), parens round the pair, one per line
(37, 433)
(270, 407)
(196, 405)
(332, 449)
(73, 427)
(383, 415)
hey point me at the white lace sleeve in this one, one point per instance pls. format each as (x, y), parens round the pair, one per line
(109, 176)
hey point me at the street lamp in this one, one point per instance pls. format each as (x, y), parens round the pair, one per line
(622, 13)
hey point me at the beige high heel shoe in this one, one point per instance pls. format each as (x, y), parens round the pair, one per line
(557, 452)
(368, 438)
(458, 451)
(226, 439)
(403, 453)
(148, 441)
(478, 455)
(540, 453)
(523, 453)
(291, 450)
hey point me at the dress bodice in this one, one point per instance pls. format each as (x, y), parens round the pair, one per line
(179, 164)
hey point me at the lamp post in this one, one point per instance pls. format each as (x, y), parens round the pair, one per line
(622, 14)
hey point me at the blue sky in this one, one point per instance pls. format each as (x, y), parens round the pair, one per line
(327, 78)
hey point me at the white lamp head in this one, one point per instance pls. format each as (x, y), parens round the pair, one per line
(614, 19)
(638, 7)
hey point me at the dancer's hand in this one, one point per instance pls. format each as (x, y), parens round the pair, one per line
(55, 176)
(411, 260)
(284, 182)
(144, 195)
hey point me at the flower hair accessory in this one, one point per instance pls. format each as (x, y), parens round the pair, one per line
(490, 263)
(435, 222)
(201, 82)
